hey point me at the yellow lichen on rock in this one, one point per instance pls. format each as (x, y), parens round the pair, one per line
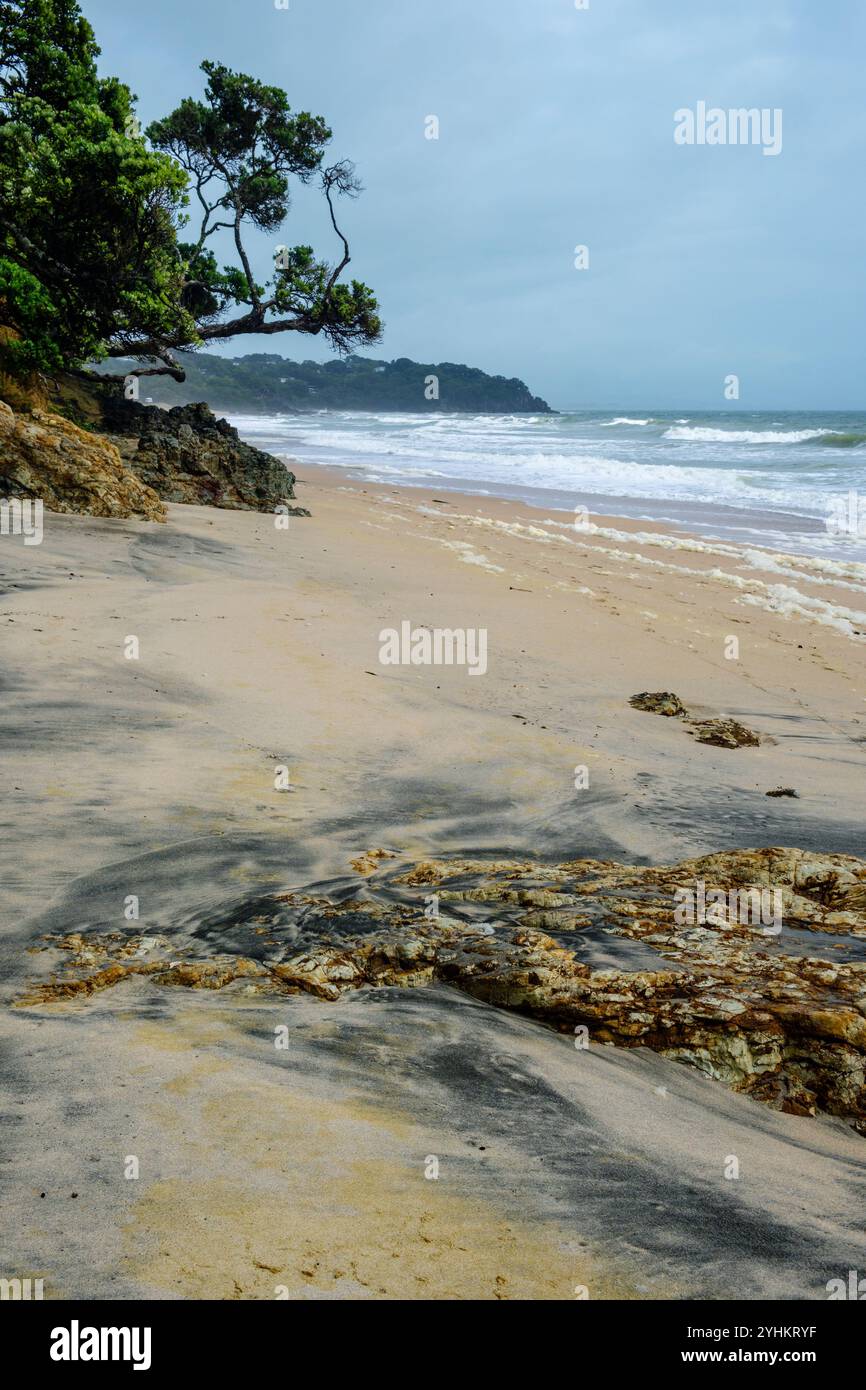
(781, 1018)
(45, 457)
(368, 862)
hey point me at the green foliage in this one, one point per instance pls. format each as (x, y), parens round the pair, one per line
(241, 147)
(35, 322)
(245, 137)
(86, 209)
(90, 261)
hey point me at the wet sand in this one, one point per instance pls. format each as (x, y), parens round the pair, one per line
(304, 1169)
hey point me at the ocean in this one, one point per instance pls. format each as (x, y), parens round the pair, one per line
(794, 481)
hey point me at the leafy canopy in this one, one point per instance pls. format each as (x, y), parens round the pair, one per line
(241, 146)
(96, 255)
(87, 211)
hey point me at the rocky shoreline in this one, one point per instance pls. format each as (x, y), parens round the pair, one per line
(188, 455)
(50, 459)
(780, 1019)
(87, 449)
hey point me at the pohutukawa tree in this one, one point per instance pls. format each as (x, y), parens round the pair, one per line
(97, 256)
(87, 215)
(240, 148)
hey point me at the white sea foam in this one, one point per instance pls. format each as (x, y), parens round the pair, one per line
(467, 554)
(779, 598)
(726, 473)
(774, 598)
(703, 435)
(845, 574)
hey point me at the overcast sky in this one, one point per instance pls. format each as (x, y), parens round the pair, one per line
(557, 130)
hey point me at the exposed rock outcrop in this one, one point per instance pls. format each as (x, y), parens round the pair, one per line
(44, 456)
(720, 733)
(187, 455)
(775, 1009)
(659, 702)
(724, 733)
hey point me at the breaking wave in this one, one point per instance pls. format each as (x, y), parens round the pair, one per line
(703, 435)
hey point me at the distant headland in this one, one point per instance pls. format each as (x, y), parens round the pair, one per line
(270, 383)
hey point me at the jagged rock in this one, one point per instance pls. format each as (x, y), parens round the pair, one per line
(45, 456)
(659, 702)
(187, 455)
(724, 733)
(782, 791)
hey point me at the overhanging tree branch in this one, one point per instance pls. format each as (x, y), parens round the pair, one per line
(244, 140)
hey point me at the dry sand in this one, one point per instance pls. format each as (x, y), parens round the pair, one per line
(303, 1170)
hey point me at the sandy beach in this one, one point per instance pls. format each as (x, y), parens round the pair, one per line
(302, 1171)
